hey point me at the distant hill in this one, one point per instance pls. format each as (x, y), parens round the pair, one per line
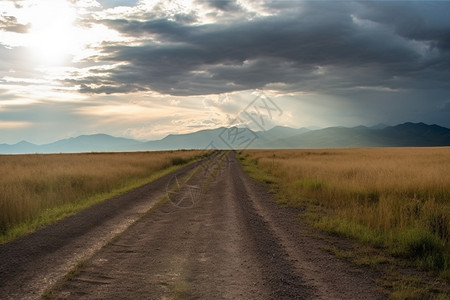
(20, 147)
(267, 137)
(95, 142)
(82, 143)
(379, 126)
(402, 135)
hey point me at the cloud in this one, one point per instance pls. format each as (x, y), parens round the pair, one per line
(14, 124)
(351, 45)
(10, 24)
(226, 6)
(115, 3)
(416, 20)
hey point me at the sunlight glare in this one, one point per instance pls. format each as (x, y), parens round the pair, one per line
(52, 26)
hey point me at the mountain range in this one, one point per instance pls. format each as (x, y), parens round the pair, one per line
(402, 135)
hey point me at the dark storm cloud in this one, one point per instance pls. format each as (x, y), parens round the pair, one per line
(165, 28)
(9, 23)
(419, 20)
(314, 46)
(228, 6)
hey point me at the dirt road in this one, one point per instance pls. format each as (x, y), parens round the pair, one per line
(219, 236)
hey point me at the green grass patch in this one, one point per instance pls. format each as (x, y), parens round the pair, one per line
(411, 287)
(338, 252)
(425, 249)
(251, 167)
(421, 248)
(371, 260)
(347, 228)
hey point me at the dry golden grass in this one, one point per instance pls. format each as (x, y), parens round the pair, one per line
(384, 196)
(33, 184)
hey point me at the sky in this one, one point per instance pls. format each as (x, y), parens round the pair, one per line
(143, 69)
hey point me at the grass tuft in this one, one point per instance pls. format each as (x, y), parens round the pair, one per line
(422, 246)
(176, 161)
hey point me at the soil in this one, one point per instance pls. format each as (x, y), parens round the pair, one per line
(218, 235)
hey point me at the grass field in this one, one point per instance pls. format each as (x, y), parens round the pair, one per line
(39, 189)
(396, 199)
